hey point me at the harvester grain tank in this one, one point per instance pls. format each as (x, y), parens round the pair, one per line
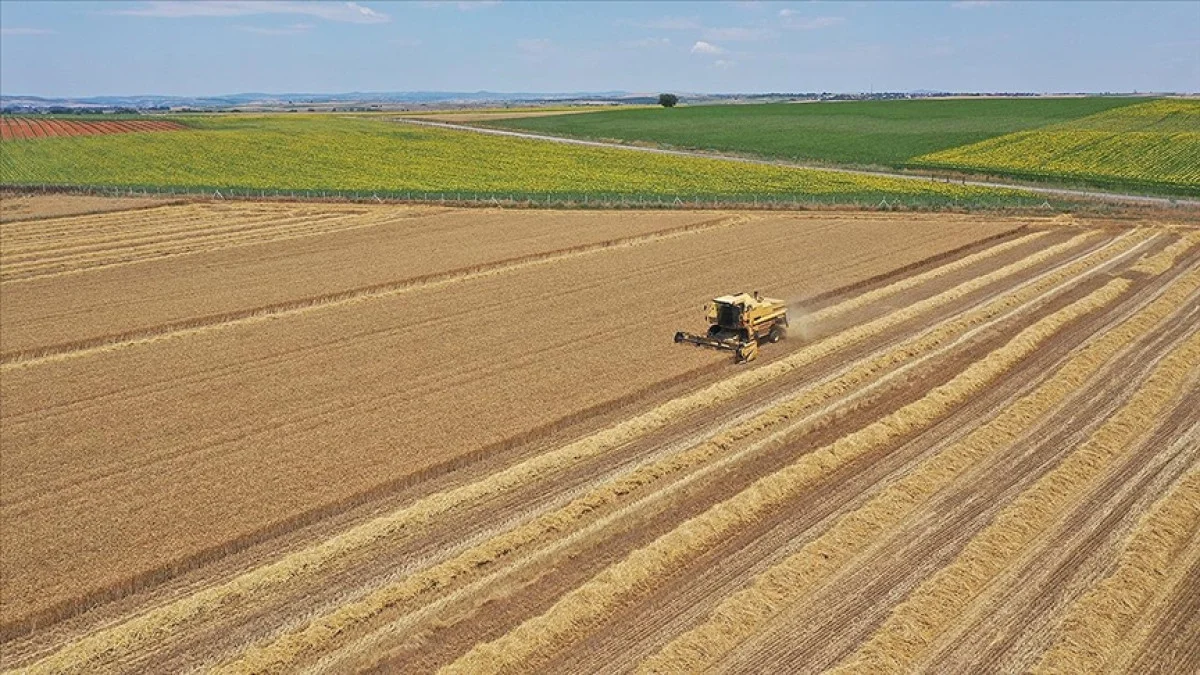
(739, 322)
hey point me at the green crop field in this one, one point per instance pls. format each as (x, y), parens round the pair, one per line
(343, 154)
(880, 133)
(1152, 146)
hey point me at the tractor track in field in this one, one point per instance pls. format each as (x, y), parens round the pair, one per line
(1094, 195)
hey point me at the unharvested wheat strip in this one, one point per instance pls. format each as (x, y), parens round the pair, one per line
(153, 244)
(143, 630)
(586, 605)
(72, 263)
(744, 613)
(32, 265)
(1163, 260)
(40, 227)
(317, 303)
(166, 218)
(901, 642)
(160, 238)
(202, 236)
(205, 324)
(81, 237)
(1094, 628)
(315, 636)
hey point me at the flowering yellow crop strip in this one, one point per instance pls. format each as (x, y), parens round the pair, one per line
(1155, 143)
(318, 153)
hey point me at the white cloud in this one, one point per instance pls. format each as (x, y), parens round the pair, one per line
(666, 23)
(460, 5)
(702, 47)
(347, 12)
(738, 34)
(811, 23)
(786, 12)
(723, 64)
(294, 29)
(406, 42)
(26, 31)
(535, 46)
(969, 4)
(647, 43)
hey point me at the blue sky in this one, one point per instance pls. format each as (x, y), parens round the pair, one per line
(191, 48)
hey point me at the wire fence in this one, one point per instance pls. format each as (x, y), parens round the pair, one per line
(556, 200)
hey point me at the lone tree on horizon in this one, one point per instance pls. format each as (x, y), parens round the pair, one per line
(668, 100)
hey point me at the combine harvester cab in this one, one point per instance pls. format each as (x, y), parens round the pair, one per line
(739, 322)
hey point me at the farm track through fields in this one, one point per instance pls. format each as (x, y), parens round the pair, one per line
(678, 512)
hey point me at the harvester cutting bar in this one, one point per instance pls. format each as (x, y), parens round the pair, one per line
(731, 344)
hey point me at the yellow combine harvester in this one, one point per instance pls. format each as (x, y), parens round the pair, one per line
(739, 322)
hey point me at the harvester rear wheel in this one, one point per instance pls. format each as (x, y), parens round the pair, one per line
(778, 332)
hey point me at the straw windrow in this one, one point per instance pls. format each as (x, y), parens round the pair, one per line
(576, 612)
(744, 613)
(901, 642)
(318, 634)
(918, 280)
(1163, 260)
(1094, 627)
(148, 628)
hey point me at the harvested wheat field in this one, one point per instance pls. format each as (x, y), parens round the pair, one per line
(269, 437)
